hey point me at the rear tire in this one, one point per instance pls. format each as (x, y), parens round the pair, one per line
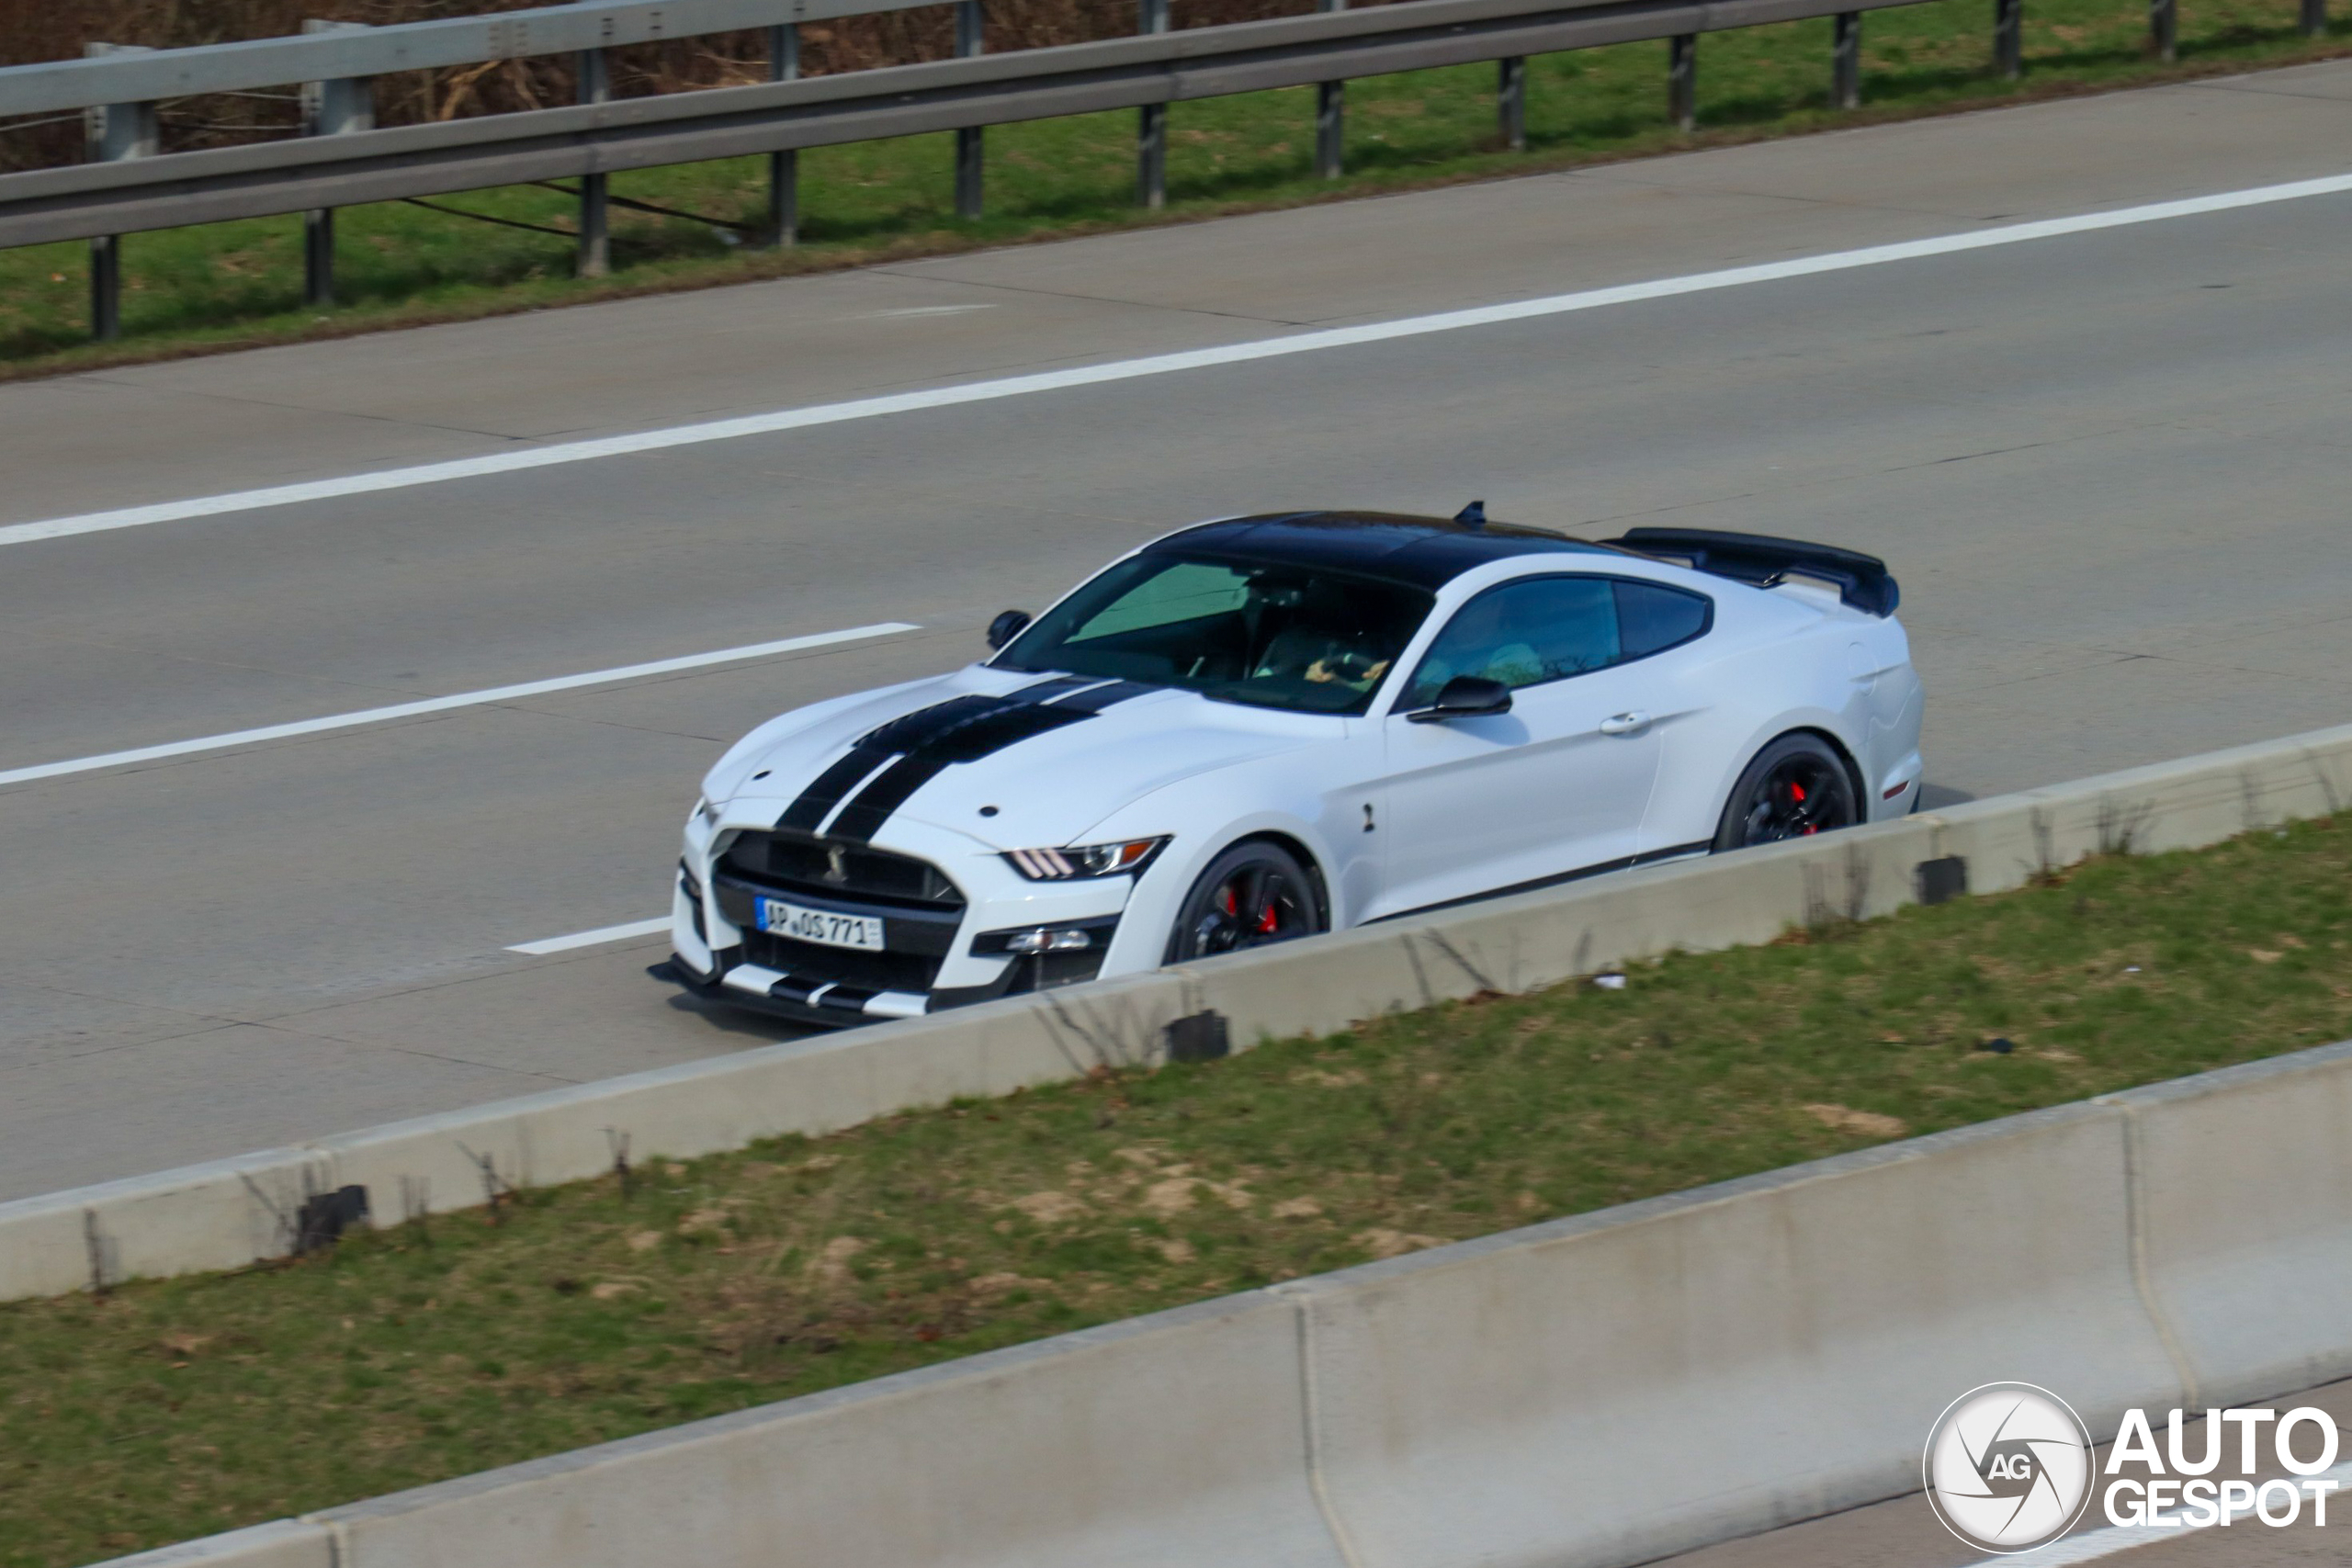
(1251, 894)
(1796, 787)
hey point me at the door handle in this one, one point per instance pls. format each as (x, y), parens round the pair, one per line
(1625, 724)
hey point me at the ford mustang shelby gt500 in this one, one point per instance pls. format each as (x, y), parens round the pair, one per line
(1266, 727)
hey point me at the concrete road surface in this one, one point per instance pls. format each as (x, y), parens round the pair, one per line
(2108, 467)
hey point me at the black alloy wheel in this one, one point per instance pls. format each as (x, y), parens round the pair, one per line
(1249, 896)
(1796, 787)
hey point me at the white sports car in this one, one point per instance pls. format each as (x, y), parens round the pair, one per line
(1263, 727)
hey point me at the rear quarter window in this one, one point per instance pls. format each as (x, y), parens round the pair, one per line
(1652, 617)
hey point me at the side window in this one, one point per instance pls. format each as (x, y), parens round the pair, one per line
(1523, 633)
(1652, 617)
(1186, 591)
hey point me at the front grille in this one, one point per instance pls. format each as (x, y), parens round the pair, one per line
(796, 864)
(809, 961)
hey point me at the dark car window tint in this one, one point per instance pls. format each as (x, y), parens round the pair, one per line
(1523, 633)
(1652, 617)
(1238, 631)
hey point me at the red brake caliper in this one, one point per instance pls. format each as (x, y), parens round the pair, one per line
(1267, 924)
(1232, 904)
(1797, 792)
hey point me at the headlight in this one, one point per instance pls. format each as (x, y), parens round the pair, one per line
(1085, 859)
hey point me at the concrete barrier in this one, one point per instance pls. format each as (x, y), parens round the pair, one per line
(1176, 1439)
(1533, 939)
(1586, 1393)
(283, 1543)
(2245, 1221)
(1631, 1384)
(219, 1215)
(231, 1213)
(810, 1087)
(2008, 839)
(1539, 939)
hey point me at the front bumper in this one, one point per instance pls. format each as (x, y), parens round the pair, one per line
(928, 960)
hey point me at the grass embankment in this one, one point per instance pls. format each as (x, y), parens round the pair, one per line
(239, 284)
(170, 1409)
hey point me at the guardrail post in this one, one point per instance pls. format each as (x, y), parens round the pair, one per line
(2164, 28)
(1152, 122)
(596, 238)
(969, 161)
(2008, 38)
(1682, 80)
(1510, 101)
(1846, 61)
(2315, 19)
(1330, 117)
(108, 132)
(783, 168)
(330, 109)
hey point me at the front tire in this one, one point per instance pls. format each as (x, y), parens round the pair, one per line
(1796, 787)
(1251, 894)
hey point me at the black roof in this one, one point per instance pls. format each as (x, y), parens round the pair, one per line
(1420, 552)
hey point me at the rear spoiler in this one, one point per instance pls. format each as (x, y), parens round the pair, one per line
(1759, 561)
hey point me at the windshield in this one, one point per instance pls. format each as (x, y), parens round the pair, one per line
(1239, 631)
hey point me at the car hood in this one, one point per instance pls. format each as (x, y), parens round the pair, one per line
(1052, 755)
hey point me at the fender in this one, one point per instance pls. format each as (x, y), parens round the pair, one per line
(1151, 910)
(1835, 726)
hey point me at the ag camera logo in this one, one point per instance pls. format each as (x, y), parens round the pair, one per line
(2008, 1467)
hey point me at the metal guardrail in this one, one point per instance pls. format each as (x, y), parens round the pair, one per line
(128, 188)
(117, 89)
(54, 87)
(206, 186)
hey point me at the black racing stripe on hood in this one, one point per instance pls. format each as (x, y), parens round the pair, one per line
(1099, 697)
(902, 734)
(815, 803)
(967, 736)
(978, 737)
(913, 731)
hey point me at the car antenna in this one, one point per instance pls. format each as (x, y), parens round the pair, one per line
(1473, 516)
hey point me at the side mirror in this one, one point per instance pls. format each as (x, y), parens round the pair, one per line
(1466, 697)
(1009, 624)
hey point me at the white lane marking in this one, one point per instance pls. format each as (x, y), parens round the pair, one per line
(926, 310)
(592, 939)
(2106, 1542)
(1156, 364)
(443, 705)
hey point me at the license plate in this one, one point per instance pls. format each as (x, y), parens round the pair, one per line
(780, 918)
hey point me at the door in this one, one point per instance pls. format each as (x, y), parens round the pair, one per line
(1558, 784)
